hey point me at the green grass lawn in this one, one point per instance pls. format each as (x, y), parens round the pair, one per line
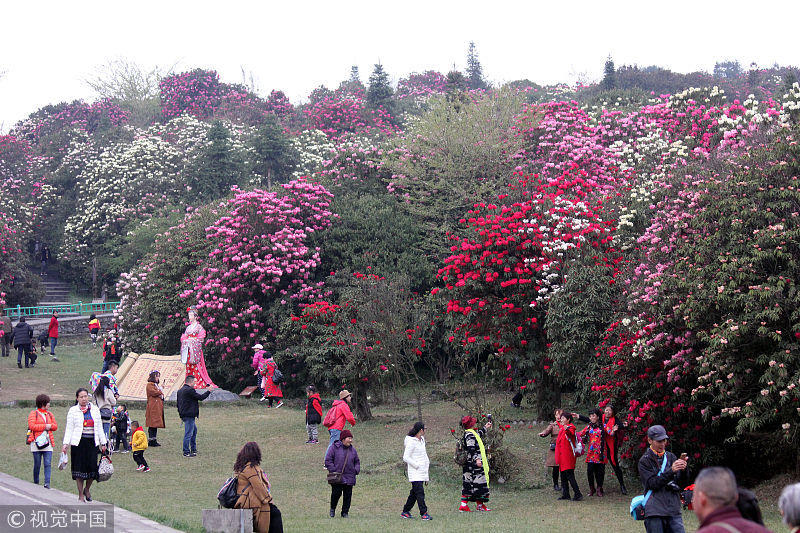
(177, 488)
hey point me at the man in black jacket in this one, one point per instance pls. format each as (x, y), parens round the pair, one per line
(189, 409)
(23, 340)
(663, 508)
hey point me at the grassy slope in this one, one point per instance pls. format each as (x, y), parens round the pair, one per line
(177, 488)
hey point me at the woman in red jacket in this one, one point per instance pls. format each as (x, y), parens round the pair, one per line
(52, 332)
(42, 422)
(272, 391)
(565, 457)
(611, 440)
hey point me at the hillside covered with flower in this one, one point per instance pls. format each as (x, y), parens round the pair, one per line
(634, 242)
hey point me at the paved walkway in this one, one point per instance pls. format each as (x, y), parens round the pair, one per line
(14, 491)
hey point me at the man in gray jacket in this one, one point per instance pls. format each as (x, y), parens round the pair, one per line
(662, 512)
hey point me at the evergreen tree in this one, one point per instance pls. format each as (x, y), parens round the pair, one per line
(474, 69)
(379, 93)
(355, 77)
(609, 75)
(218, 167)
(456, 85)
(353, 85)
(274, 154)
(789, 79)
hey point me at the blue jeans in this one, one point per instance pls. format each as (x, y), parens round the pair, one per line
(107, 428)
(53, 342)
(664, 524)
(37, 463)
(189, 435)
(335, 433)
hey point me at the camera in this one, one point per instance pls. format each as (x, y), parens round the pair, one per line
(674, 487)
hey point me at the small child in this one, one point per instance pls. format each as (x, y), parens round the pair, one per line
(120, 422)
(94, 329)
(44, 341)
(139, 445)
(313, 414)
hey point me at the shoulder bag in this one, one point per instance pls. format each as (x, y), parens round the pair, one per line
(638, 502)
(335, 478)
(43, 440)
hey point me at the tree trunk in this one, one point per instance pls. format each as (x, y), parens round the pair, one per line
(419, 403)
(548, 397)
(363, 412)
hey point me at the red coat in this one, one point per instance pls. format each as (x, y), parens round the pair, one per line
(564, 456)
(52, 331)
(270, 389)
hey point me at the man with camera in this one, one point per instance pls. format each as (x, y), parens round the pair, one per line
(662, 472)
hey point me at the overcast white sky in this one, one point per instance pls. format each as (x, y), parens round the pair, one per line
(50, 47)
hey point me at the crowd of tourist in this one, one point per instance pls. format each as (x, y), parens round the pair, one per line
(720, 505)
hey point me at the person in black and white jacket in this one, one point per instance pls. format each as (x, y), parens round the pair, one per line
(84, 433)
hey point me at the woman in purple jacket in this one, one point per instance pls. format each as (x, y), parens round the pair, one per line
(342, 457)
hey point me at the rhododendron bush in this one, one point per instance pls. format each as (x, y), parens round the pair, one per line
(709, 343)
(371, 336)
(250, 261)
(502, 275)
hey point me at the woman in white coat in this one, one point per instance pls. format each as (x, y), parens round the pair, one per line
(416, 457)
(84, 434)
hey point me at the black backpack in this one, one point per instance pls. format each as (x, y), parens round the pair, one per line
(277, 376)
(228, 494)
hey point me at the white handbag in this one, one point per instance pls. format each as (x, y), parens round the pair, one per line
(105, 470)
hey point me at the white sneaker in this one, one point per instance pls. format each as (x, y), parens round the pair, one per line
(140, 468)
(279, 405)
(263, 399)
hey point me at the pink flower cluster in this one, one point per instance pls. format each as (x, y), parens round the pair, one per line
(262, 254)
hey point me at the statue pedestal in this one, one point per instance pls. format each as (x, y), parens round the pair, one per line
(217, 395)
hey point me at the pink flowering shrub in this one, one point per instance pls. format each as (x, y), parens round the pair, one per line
(75, 115)
(251, 259)
(337, 114)
(709, 343)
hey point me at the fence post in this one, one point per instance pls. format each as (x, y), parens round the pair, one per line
(19, 311)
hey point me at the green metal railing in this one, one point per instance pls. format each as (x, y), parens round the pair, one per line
(79, 308)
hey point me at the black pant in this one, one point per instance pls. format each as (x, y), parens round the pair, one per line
(139, 458)
(336, 491)
(612, 458)
(555, 476)
(121, 438)
(596, 472)
(568, 478)
(24, 350)
(151, 434)
(417, 495)
(275, 520)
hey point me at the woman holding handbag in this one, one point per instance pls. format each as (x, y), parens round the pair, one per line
(254, 490)
(343, 466)
(550, 460)
(106, 401)
(41, 425)
(84, 434)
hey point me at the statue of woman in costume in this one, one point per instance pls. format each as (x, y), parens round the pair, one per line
(192, 351)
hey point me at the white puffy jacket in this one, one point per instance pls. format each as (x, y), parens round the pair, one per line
(416, 457)
(74, 427)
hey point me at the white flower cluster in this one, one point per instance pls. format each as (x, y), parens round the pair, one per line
(314, 148)
(126, 182)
